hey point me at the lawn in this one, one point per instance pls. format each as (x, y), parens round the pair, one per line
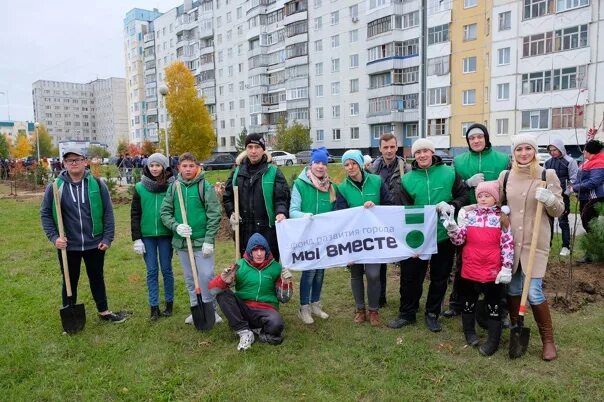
(329, 360)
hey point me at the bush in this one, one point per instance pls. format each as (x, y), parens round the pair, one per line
(592, 241)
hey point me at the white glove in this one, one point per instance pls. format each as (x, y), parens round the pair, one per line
(504, 276)
(285, 274)
(184, 230)
(545, 196)
(308, 215)
(234, 221)
(444, 208)
(139, 247)
(207, 249)
(450, 225)
(475, 180)
(462, 217)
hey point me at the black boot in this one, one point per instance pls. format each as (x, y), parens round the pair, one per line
(154, 313)
(168, 311)
(469, 328)
(492, 343)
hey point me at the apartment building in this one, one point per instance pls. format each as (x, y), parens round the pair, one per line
(93, 111)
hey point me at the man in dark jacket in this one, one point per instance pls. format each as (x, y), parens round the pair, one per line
(263, 195)
(89, 228)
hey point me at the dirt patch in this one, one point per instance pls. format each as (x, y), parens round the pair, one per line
(587, 285)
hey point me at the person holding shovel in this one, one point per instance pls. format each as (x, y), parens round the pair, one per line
(87, 215)
(203, 215)
(523, 191)
(151, 238)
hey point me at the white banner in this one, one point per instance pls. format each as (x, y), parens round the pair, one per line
(359, 235)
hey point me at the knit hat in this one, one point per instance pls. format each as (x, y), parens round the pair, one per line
(255, 139)
(422, 143)
(478, 128)
(319, 155)
(593, 146)
(158, 158)
(367, 159)
(524, 139)
(490, 187)
(355, 155)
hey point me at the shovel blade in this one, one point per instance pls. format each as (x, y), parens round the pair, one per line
(203, 315)
(519, 340)
(73, 318)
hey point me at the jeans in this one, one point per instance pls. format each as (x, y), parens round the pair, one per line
(94, 260)
(563, 223)
(205, 272)
(159, 247)
(535, 294)
(372, 271)
(311, 283)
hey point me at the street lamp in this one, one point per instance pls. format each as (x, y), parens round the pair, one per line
(37, 125)
(163, 91)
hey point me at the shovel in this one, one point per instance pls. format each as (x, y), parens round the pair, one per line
(519, 335)
(237, 239)
(73, 316)
(203, 313)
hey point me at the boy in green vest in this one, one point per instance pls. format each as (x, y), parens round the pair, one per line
(89, 228)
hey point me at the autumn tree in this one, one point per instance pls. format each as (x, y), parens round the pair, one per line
(97, 151)
(240, 145)
(46, 147)
(148, 148)
(122, 146)
(133, 149)
(4, 147)
(191, 128)
(22, 146)
(292, 139)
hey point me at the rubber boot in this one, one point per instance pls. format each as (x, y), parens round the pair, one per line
(168, 310)
(154, 313)
(469, 328)
(304, 314)
(492, 343)
(544, 322)
(360, 316)
(513, 308)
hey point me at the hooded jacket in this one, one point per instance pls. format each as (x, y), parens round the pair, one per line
(78, 212)
(565, 166)
(390, 174)
(589, 183)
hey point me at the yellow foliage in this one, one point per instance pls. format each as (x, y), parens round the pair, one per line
(22, 147)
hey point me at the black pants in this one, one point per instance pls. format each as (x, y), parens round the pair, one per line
(383, 280)
(454, 300)
(240, 316)
(589, 211)
(413, 273)
(563, 223)
(470, 290)
(94, 260)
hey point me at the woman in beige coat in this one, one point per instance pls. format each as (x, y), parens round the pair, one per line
(523, 192)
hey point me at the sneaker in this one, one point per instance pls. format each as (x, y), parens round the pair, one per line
(217, 318)
(305, 315)
(451, 313)
(189, 320)
(116, 318)
(432, 322)
(400, 322)
(564, 252)
(246, 338)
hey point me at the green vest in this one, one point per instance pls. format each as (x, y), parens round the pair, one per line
(268, 187)
(151, 224)
(196, 209)
(370, 190)
(257, 285)
(313, 200)
(488, 162)
(95, 200)
(429, 187)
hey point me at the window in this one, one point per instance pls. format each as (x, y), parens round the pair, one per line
(354, 60)
(469, 97)
(469, 32)
(320, 135)
(505, 21)
(438, 34)
(569, 78)
(335, 18)
(318, 23)
(437, 126)
(317, 3)
(535, 119)
(319, 113)
(565, 5)
(502, 126)
(567, 117)
(354, 109)
(335, 41)
(354, 10)
(335, 88)
(503, 91)
(537, 8)
(319, 90)
(438, 96)
(535, 45)
(469, 64)
(335, 134)
(335, 111)
(380, 80)
(378, 129)
(464, 127)
(407, 20)
(503, 56)
(438, 65)
(379, 26)
(335, 65)
(318, 45)
(354, 85)
(570, 38)
(469, 3)
(354, 36)
(409, 75)
(536, 82)
(319, 69)
(354, 133)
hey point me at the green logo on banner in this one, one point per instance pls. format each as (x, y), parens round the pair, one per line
(414, 238)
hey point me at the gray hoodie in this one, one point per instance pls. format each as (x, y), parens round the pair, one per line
(77, 219)
(565, 166)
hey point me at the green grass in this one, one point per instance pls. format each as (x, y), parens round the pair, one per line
(330, 360)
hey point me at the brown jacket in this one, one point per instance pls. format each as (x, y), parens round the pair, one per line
(523, 205)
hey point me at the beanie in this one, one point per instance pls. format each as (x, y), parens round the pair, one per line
(490, 187)
(422, 143)
(158, 158)
(593, 146)
(478, 128)
(319, 155)
(257, 139)
(367, 159)
(524, 139)
(355, 155)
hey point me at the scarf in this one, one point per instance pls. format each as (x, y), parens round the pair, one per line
(152, 185)
(322, 184)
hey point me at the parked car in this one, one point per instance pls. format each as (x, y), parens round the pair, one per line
(543, 155)
(303, 157)
(218, 161)
(447, 159)
(283, 158)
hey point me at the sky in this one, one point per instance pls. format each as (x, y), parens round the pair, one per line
(60, 40)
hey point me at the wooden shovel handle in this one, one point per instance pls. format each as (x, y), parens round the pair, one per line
(532, 252)
(237, 239)
(57, 198)
(183, 212)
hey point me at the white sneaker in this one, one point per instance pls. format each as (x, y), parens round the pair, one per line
(304, 314)
(564, 252)
(317, 310)
(246, 338)
(217, 318)
(189, 320)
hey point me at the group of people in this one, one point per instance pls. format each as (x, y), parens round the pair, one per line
(494, 202)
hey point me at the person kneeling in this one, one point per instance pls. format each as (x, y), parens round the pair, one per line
(261, 284)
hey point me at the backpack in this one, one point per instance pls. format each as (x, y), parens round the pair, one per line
(200, 188)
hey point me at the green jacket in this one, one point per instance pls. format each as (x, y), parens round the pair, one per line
(151, 224)
(257, 284)
(96, 203)
(306, 198)
(203, 217)
(489, 162)
(355, 197)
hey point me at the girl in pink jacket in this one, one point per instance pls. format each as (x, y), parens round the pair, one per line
(487, 260)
